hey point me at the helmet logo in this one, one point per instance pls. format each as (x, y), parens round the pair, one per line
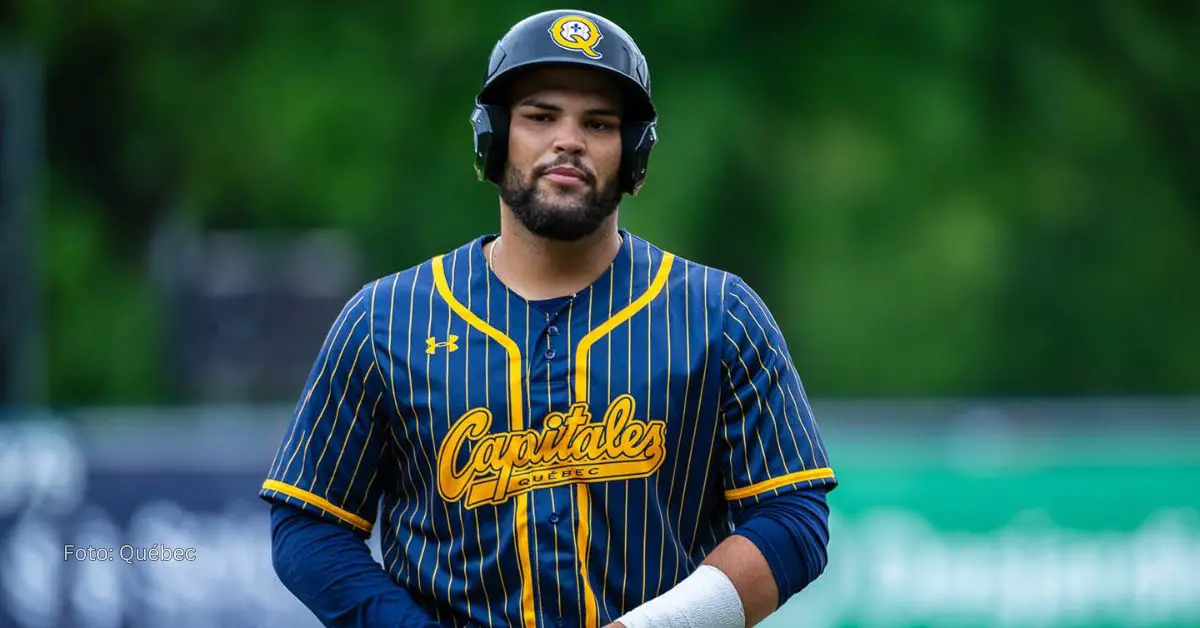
(575, 32)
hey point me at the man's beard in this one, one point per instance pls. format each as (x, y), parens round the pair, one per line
(555, 221)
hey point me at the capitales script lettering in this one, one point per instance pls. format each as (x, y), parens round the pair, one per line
(570, 448)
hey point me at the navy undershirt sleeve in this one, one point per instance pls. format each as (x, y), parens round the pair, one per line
(331, 571)
(792, 532)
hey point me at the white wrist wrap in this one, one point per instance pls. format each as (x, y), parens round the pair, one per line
(705, 599)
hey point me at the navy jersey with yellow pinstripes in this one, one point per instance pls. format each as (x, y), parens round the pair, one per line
(554, 463)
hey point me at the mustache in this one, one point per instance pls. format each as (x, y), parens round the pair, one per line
(573, 162)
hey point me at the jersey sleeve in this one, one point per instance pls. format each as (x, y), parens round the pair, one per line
(768, 440)
(329, 460)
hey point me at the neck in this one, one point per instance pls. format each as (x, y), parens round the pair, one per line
(539, 268)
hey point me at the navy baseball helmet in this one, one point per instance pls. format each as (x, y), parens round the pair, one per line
(575, 38)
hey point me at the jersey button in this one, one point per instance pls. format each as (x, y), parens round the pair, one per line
(550, 354)
(553, 331)
(554, 520)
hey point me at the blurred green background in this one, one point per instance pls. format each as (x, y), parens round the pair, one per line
(977, 222)
(936, 197)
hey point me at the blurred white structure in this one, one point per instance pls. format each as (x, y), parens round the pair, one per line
(950, 513)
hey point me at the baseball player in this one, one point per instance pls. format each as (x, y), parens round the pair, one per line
(560, 424)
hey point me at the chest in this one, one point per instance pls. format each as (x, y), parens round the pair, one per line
(553, 398)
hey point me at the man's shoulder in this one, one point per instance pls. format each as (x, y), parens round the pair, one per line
(723, 290)
(699, 278)
(413, 281)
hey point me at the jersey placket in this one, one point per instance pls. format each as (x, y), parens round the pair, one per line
(552, 508)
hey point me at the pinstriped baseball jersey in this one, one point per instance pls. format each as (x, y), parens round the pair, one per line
(556, 463)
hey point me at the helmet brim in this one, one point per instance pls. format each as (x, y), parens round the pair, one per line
(638, 104)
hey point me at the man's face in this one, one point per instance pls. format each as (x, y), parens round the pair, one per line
(564, 151)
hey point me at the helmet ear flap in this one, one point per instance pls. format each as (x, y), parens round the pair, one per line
(638, 139)
(490, 126)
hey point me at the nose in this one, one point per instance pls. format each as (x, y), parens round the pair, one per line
(570, 139)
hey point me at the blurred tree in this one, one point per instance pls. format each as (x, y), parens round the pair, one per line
(936, 198)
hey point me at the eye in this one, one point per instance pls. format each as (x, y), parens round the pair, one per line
(538, 117)
(601, 125)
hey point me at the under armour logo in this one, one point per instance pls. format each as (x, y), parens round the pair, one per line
(450, 344)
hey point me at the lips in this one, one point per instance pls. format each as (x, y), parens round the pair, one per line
(566, 171)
